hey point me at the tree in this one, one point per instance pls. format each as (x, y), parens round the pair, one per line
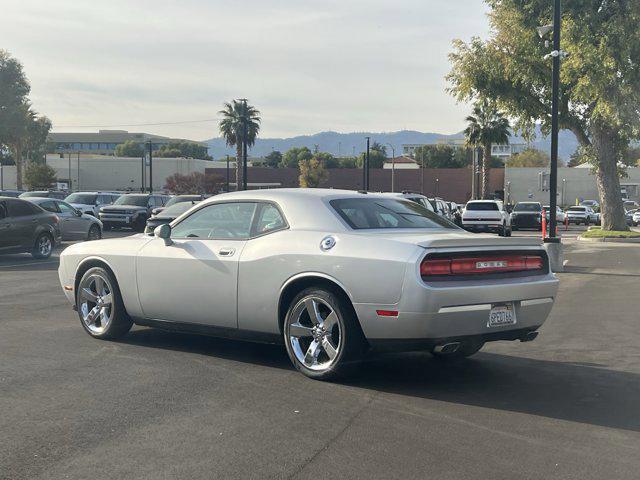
(239, 117)
(274, 159)
(599, 84)
(183, 149)
(530, 157)
(486, 126)
(376, 159)
(312, 172)
(379, 148)
(441, 156)
(348, 162)
(129, 148)
(39, 175)
(328, 160)
(193, 183)
(293, 156)
(36, 140)
(577, 158)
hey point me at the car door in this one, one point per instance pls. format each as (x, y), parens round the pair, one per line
(194, 279)
(8, 237)
(24, 222)
(77, 226)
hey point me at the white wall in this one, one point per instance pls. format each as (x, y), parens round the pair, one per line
(523, 184)
(7, 177)
(99, 172)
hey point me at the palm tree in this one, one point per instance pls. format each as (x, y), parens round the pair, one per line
(486, 126)
(239, 117)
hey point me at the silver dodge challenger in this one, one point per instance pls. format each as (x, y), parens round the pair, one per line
(331, 274)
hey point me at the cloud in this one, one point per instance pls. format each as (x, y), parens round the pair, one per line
(307, 65)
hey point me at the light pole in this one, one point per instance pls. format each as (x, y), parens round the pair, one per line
(70, 189)
(365, 168)
(150, 166)
(422, 169)
(393, 168)
(554, 247)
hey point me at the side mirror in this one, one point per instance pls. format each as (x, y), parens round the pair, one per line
(164, 232)
(78, 213)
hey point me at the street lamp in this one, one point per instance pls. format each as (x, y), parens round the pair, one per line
(554, 247)
(150, 166)
(365, 168)
(393, 168)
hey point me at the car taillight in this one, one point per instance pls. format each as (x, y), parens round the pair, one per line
(479, 265)
(56, 219)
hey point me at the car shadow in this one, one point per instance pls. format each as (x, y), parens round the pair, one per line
(578, 392)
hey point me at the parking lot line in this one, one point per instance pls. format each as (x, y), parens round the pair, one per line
(27, 264)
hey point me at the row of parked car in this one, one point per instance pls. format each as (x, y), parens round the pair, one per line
(36, 221)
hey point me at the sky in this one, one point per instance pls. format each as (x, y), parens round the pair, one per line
(308, 66)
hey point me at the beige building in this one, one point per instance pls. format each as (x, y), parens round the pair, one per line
(501, 151)
(104, 142)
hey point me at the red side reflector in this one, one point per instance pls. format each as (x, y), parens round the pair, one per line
(387, 313)
(479, 265)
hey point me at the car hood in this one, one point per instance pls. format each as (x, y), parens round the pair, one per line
(445, 238)
(107, 246)
(81, 205)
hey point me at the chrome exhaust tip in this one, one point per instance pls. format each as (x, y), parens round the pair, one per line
(529, 337)
(447, 348)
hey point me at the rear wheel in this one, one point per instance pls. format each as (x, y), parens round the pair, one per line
(466, 349)
(43, 246)
(100, 308)
(322, 335)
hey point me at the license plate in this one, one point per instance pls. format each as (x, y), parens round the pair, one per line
(501, 315)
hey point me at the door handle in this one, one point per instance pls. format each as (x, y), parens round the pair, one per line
(226, 252)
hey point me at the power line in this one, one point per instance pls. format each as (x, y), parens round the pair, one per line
(138, 124)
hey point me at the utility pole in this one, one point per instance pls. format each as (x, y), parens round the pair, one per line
(78, 182)
(244, 144)
(366, 167)
(70, 182)
(227, 173)
(393, 168)
(150, 166)
(142, 173)
(422, 169)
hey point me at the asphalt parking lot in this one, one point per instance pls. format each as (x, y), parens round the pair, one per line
(159, 405)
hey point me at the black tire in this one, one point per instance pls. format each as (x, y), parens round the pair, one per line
(351, 343)
(119, 322)
(94, 233)
(507, 232)
(43, 246)
(466, 349)
(140, 225)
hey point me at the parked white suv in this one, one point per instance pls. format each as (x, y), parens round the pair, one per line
(581, 214)
(486, 216)
(91, 202)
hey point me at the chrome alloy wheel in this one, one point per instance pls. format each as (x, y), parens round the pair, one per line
(44, 246)
(96, 303)
(314, 333)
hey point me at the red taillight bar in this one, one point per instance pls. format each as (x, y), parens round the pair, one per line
(479, 265)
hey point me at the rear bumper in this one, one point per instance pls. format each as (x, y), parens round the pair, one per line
(482, 226)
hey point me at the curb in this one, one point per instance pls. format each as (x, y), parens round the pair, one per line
(609, 239)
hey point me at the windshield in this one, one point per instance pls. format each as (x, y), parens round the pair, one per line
(177, 209)
(182, 198)
(137, 200)
(527, 207)
(482, 206)
(83, 198)
(372, 213)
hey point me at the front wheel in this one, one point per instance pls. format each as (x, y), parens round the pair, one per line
(100, 308)
(43, 246)
(94, 233)
(322, 335)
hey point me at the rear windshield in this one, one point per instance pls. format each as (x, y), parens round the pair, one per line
(137, 200)
(577, 209)
(527, 207)
(482, 206)
(372, 213)
(34, 194)
(176, 209)
(83, 198)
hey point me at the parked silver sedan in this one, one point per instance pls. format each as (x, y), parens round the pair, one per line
(74, 225)
(329, 273)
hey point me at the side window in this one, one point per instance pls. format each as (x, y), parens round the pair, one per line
(222, 220)
(102, 199)
(64, 208)
(50, 206)
(3, 211)
(18, 208)
(269, 219)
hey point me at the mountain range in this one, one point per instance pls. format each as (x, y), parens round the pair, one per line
(347, 144)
